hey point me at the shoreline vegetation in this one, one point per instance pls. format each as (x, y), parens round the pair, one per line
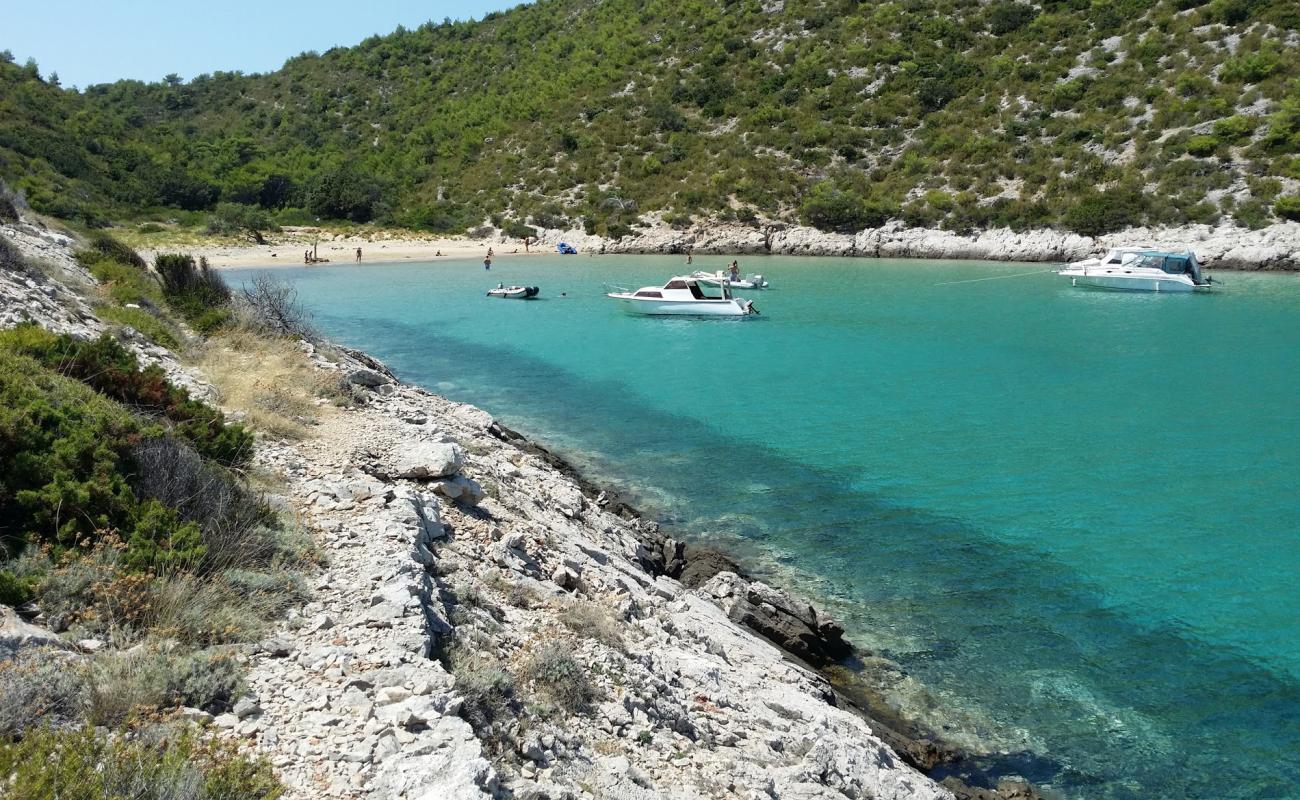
(1276, 247)
(465, 529)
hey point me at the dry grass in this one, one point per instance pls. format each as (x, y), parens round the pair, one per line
(591, 621)
(270, 380)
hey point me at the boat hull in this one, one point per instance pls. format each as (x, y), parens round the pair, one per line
(683, 308)
(1129, 283)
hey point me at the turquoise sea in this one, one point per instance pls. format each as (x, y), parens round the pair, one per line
(1072, 516)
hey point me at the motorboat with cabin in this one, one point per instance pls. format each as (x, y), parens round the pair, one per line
(752, 281)
(514, 292)
(1136, 269)
(685, 295)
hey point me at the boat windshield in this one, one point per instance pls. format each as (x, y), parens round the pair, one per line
(1172, 264)
(714, 291)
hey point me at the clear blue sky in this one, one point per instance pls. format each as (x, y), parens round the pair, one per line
(98, 41)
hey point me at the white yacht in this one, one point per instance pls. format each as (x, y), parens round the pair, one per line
(513, 292)
(684, 295)
(752, 281)
(1137, 269)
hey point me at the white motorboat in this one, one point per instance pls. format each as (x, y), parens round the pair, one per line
(1139, 270)
(684, 295)
(752, 281)
(514, 292)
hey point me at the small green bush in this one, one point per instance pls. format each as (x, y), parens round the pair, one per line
(1005, 17)
(125, 283)
(113, 250)
(487, 688)
(1235, 128)
(85, 764)
(559, 676)
(1202, 146)
(196, 290)
(518, 230)
(1288, 207)
(156, 329)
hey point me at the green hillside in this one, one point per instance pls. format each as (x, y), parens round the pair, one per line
(1086, 114)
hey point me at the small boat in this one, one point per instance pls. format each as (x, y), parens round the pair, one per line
(751, 281)
(683, 295)
(1136, 269)
(566, 249)
(514, 292)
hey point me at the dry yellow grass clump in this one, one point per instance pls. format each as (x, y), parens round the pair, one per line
(271, 380)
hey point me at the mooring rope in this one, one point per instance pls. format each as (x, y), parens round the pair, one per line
(997, 277)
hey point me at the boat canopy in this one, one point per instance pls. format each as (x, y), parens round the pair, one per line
(1173, 264)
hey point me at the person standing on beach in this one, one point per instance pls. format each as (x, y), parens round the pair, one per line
(358, 255)
(526, 240)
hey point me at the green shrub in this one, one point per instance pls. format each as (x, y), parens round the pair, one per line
(147, 228)
(1005, 17)
(1096, 213)
(830, 208)
(1254, 214)
(125, 283)
(1251, 67)
(85, 764)
(439, 217)
(1288, 207)
(156, 329)
(108, 247)
(110, 369)
(197, 291)
(1204, 145)
(1235, 128)
(518, 230)
(487, 688)
(15, 590)
(559, 676)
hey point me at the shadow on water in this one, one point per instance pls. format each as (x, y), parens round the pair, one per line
(1080, 696)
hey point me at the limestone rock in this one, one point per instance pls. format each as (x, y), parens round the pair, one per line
(366, 377)
(423, 459)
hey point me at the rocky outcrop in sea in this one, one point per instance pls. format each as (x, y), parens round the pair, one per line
(1276, 247)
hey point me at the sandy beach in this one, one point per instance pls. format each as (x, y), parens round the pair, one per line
(287, 249)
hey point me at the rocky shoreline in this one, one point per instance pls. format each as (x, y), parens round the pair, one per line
(489, 624)
(1276, 247)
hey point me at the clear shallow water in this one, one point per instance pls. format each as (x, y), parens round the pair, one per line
(1072, 515)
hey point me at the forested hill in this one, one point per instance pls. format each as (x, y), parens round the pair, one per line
(1087, 114)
